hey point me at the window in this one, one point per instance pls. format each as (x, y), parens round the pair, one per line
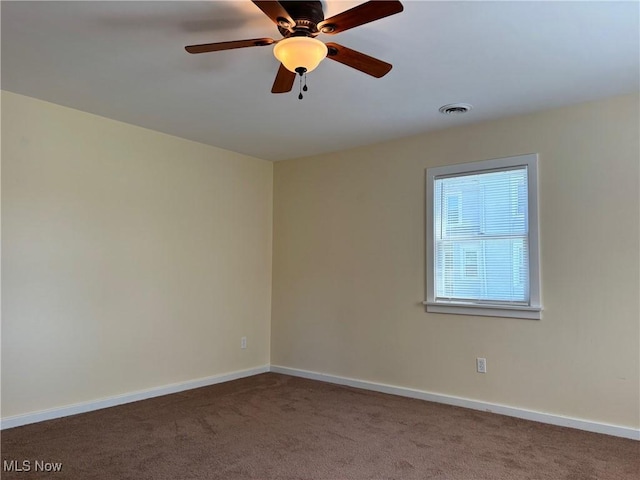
(470, 263)
(482, 238)
(453, 208)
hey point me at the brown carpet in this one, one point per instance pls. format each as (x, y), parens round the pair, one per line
(279, 427)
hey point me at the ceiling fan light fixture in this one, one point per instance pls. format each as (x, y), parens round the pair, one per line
(297, 53)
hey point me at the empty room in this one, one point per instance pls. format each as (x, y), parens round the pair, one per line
(320, 240)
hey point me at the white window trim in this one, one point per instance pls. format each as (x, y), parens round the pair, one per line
(534, 309)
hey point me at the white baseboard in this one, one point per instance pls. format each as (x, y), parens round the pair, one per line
(49, 414)
(580, 424)
(552, 419)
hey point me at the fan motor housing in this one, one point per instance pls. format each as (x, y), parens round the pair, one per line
(306, 14)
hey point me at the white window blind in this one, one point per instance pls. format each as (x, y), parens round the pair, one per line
(481, 247)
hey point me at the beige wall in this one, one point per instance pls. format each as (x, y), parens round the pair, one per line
(130, 259)
(349, 268)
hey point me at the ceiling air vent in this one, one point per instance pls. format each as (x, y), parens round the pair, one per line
(455, 108)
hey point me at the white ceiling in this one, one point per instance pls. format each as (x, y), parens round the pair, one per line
(126, 61)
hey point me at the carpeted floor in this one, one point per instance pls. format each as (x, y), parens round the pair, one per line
(278, 427)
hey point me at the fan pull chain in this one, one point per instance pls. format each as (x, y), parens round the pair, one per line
(302, 71)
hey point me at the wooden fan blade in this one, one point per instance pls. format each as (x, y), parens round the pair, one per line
(359, 61)
(276, 12)
(356, 16)
(216, 47)
(284, 80)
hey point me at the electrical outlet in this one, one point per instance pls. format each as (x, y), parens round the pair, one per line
(481, 365)
(243, 342)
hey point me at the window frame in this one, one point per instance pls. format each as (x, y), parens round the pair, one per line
(532, 310)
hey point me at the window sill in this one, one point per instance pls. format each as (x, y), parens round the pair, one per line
(509, 311)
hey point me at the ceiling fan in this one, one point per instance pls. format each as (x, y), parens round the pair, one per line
(299, 52)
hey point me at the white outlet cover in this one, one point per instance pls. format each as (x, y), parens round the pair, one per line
(481, 365)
